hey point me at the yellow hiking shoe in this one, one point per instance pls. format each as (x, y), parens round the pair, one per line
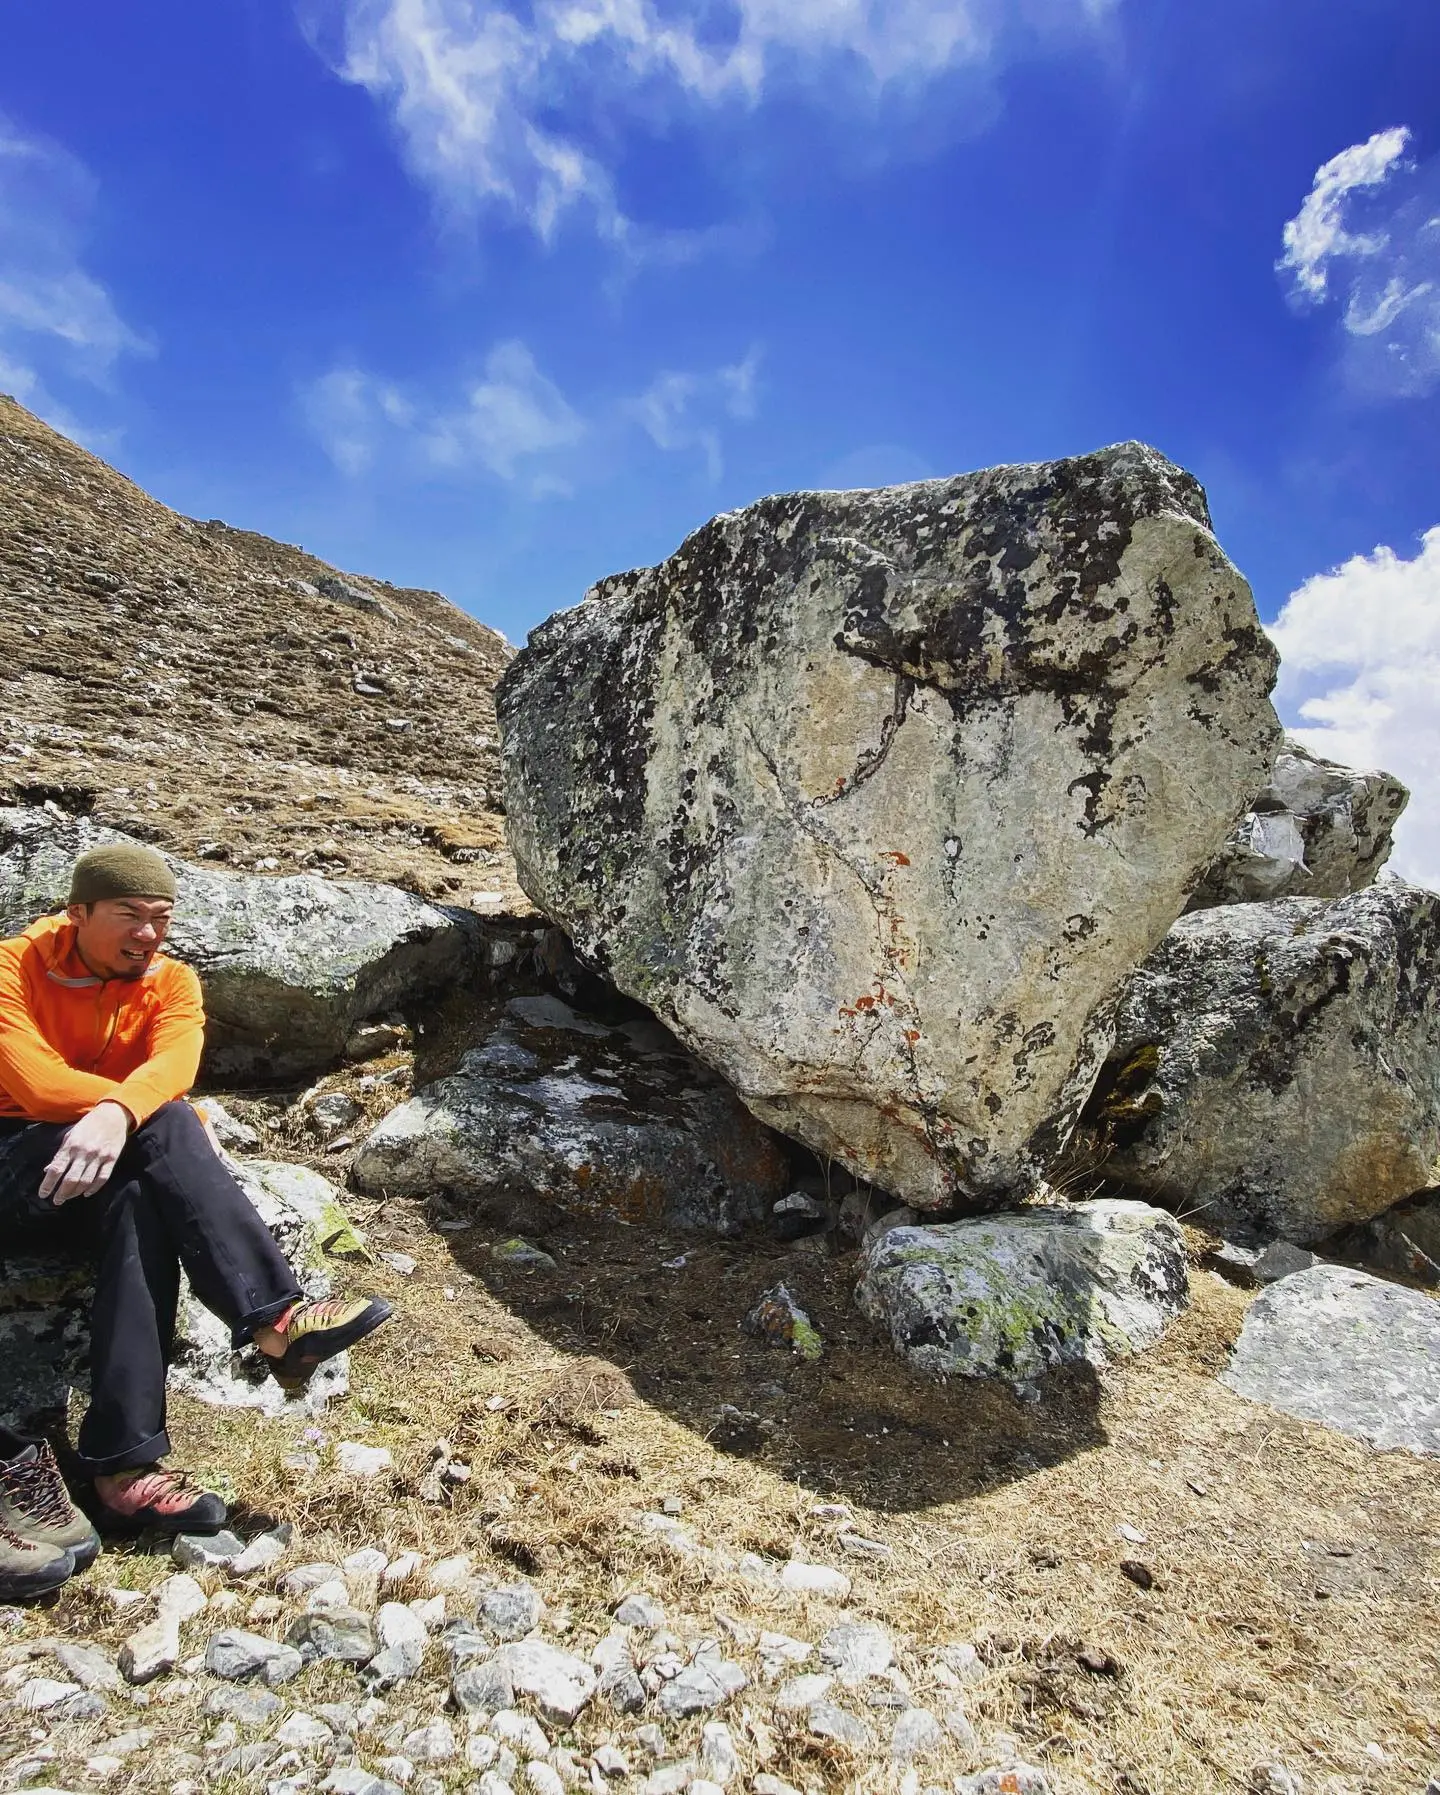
(316, 1331)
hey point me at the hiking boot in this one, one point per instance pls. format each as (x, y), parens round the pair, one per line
(152, 1496)
(316, 1331)
(35, 1504)
(29, 1569)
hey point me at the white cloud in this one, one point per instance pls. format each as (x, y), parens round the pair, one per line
(683, 411)
(1360, 671)
(56, 319)
(506, 424)
(1370, 227)
(515, 425)
(474, 89)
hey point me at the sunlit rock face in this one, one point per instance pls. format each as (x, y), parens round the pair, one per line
(874, 797)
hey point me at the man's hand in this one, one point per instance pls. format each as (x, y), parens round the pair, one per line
(87, 1155)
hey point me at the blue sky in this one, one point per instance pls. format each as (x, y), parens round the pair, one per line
(499, 298)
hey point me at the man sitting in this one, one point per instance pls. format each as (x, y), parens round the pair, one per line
(100, 1034)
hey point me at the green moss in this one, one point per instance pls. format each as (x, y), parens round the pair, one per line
(805, 1338)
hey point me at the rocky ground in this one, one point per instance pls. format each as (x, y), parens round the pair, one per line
(232, 698)
(1137, 1582)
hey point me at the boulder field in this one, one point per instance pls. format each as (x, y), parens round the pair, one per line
(873, 798)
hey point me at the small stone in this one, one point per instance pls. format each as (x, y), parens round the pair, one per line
(263, 1609)
(367, 1562)
(826, 1721)
(669, 1779)
(399, 1262)
(264, 1550)
(151, 1651)
(482, 1689)
(1275, 1779)
(101, 1767)
(815, 1580)
(511, 1611)
(1139, 1574)
(917, 1734)
(432, 1744)
(1132, 1534)
(120, 1601)
(719, 1760)
(707, 1683)
(333, 1110)
(481, 1751)
(765, 1784)
(962, 1661)
(400, 1629)
(542, 1780)
(957, 1724)
(125, 1745)
(331, 1595)
(305, 1578)
(87, 1665)
(523, 1253)
(1280, 1260)
(205, 1551)
(857, 1650)
(622, 1688)
(449, 1573)
(492, 1784)
(640, 1610)
(650, 1739)
(557, 1682)
(430, 1613)
(225, 1737)
(363, 1461)
(42, 1693)
(401, 1569)
(522, 1731)
(398, 1770)
(250, 1707)
(304, 1732)
(610, 1761)
(343, 1635)
(778, 1319)
(801, 1693)
(237, 1656)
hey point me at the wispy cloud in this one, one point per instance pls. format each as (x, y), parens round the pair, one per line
(476, 90)
(1360, 668)
(513, 424)
(1368, 237)
(680, 412)
(57, 320)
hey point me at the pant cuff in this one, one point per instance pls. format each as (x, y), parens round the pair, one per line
(244, 1330)
(131, 1459)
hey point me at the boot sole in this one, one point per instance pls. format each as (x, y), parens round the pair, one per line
(28, 1586)
(294, 1369)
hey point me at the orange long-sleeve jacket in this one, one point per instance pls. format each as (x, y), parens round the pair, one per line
(69, 1040)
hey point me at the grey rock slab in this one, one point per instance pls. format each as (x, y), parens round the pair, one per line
(1347, 1350)
(1276, 1067)
(917, 1734)
(707, 1683)
(559, 1683)
(430, 1744)
(622, 1688)
(826, 1721)
(872, 797)
(857, 1649)
(719, 1759)
(511, 1611)
(1011, 1296)
(245, 1706)
(206, 1551)
(290, 966)
(640, 1610)
(800, 1693)
(151, 1651)
(599, 1118)
(304, 1731)
(90, 1667)
(482, 1689)
(1317, 829)
(237, 1656)
(344, 1635)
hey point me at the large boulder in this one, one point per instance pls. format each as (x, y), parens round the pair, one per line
(1276, 1067)
(45, 1311)
(593, 1116)
(1011, 1296)
(289, 965)
(1318, 829)
(1348, 1350)
(873, 797)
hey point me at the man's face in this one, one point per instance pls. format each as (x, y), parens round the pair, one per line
(118, 937)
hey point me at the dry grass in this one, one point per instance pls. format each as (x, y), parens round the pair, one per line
(1294, 1572)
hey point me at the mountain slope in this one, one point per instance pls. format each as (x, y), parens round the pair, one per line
(232, 698)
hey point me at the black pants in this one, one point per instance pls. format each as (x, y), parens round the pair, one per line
(169, 1203)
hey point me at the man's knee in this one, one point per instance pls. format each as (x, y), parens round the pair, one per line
(171, 1124)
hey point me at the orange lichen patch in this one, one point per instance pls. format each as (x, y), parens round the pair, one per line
(896, 858)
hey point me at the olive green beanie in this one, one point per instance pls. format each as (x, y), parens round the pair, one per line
(124, 871)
